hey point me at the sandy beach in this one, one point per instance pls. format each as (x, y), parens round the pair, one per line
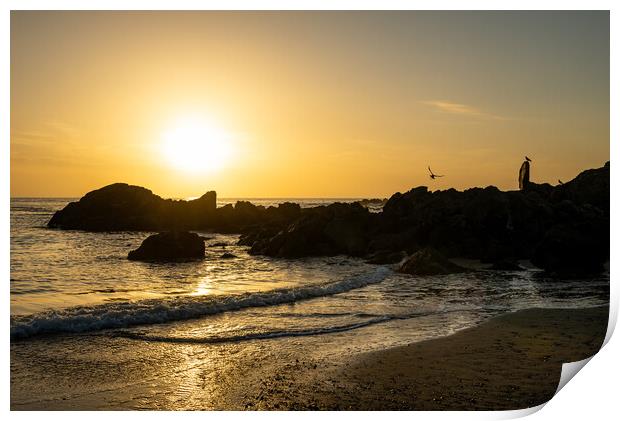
(510, 362)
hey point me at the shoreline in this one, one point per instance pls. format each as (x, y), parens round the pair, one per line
(511, 361)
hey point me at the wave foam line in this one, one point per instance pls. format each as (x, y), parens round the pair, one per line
(153, 311)
(276, 334)
(254, 336)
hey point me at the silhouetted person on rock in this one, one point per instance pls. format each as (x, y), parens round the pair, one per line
(524, 174)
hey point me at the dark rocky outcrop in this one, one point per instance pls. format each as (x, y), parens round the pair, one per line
(172, 245)
(589, 187)
(340, 228)
(561, 228)
(572, 250)
(496, 226)
(121, 207)
(429, 261)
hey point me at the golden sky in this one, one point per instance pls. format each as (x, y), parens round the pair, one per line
(304, 104)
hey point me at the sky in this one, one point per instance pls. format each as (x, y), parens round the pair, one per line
(304, 104)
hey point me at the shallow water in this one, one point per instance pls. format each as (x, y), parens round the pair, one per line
(72, 281)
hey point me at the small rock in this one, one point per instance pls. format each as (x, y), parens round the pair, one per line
(429, 261)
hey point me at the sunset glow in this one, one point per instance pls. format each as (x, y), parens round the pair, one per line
(298, 104)
(196, 146)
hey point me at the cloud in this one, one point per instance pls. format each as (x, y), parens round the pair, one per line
(49, 131)
(50, 142)
(450, 107)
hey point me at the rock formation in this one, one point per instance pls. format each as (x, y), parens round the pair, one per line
(524, 175)
(172, 245)
(563, 229)
(121, 207)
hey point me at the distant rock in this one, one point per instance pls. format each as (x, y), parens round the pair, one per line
(172, 245)
(429, 261)
(122, 207)
(373, 204)
(228, 256)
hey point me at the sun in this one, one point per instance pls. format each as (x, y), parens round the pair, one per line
(196, 146)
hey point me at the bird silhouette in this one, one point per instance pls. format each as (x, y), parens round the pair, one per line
(432, 175)
(527, 159)
(560, 181)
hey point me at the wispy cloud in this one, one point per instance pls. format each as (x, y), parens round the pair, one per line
(50, 142)
(450, 107)
(51, 131)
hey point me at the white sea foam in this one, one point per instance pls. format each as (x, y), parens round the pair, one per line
(124, 314)
(255, 336)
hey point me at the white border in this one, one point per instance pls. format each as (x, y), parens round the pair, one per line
(592, 394)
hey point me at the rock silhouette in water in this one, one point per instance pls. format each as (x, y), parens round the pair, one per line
(122, 207)
(524, 174)
(171, 245)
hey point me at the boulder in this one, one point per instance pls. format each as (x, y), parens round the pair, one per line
(572, 251)
(339, 228)
(429, 261)
(304, 237)
(172, 245)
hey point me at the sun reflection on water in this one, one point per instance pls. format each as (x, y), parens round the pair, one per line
(204, 287)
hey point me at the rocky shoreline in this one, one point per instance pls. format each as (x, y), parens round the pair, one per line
(563, 229)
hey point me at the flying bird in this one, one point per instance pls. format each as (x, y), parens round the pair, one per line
(433, 175)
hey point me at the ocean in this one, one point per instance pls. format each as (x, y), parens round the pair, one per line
(73, 281)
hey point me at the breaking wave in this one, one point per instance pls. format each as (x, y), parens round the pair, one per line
(153, 311)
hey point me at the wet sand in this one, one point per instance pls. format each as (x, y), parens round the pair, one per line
(510, 362)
